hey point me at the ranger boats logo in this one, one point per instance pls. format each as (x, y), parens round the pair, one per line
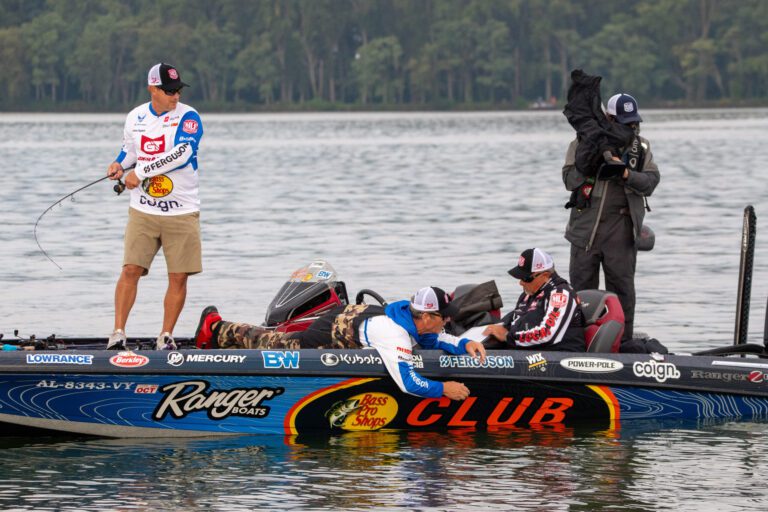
(591, 365)
(128, 360)
(184, 398)
(659, 371)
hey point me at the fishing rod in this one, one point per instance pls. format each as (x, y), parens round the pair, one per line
(118, 188)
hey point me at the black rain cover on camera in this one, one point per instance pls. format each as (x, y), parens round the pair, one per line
(596, 133)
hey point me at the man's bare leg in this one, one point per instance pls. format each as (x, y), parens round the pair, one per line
(125, 293)
(175, 297)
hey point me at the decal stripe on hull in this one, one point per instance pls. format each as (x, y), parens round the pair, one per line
(607, 395)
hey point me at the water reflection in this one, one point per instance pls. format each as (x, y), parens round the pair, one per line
(642, 466)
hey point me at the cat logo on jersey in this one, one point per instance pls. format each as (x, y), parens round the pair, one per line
(157, 186)
(153, 146)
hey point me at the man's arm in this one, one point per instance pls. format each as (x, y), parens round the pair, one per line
(184, 152)
(127, 156)
(394, 346)
(572, 178)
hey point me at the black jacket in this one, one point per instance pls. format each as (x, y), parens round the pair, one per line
(550, 319)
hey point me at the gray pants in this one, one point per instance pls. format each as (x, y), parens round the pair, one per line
(615, 250)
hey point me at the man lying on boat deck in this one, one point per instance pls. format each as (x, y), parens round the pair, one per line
(392, 330)
(548, 315)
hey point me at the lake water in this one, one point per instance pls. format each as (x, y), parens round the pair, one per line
(394, 202)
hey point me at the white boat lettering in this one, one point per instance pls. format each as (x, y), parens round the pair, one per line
(183, 398)
(473, 362)
(59, 359)
(215, 358)
(659, 371)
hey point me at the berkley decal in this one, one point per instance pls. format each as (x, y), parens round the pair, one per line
(153, 146)
(157, 186)
(367, 411)
(128, 360)
(187, 397)
(591, 365)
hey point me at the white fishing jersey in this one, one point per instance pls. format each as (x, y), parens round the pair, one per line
(163, 147)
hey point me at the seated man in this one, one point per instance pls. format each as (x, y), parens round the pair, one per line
(392, 330)
(547, 315)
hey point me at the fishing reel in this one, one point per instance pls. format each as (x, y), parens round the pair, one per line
(119, 187)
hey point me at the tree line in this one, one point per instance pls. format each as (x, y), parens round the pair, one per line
(323, 54)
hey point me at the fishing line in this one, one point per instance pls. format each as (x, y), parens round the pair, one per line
(118, 188)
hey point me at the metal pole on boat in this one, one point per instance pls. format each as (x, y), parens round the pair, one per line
(745, 276)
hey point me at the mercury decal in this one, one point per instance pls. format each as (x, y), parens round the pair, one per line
(184, 398)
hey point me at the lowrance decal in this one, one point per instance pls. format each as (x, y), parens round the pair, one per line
(591, 365)
(59, 359)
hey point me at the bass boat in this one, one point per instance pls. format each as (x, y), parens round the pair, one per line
(76, 386)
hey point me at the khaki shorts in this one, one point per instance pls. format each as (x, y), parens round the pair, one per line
(179, 236)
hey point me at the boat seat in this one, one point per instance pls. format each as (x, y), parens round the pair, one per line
(603, 320)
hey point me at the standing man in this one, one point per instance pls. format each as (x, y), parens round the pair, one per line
(548, 315)
(608, 210)
(159, 163)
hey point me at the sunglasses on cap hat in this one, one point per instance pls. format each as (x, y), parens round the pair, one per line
(530, 278)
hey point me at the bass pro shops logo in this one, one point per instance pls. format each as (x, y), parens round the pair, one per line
(367, 411)
(157, 186)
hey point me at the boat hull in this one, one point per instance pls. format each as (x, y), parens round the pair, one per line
(210, 393)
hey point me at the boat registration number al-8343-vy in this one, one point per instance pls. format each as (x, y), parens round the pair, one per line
(55, 384)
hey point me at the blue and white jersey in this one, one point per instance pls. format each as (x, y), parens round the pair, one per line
(394, 335)
(395, 347)
(164, 149)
